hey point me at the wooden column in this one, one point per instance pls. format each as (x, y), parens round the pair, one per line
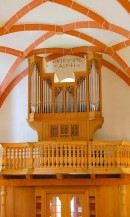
(3, 201)
(123, 211)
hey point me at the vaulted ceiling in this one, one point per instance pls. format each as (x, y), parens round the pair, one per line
(54, 28)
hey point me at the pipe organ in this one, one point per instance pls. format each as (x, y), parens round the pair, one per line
(70, 110)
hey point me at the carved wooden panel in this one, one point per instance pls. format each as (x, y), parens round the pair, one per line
(74, 130)
(54, 131)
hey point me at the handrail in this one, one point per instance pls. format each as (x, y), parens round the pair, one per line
(68, 157)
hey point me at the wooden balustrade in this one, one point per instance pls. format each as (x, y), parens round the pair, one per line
(65, 157)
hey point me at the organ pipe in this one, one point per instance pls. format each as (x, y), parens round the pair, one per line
(70, 99)
(81, 95)
(58, 100)
(84, 97)
(47, 96)
(94, 96)
(35, 90)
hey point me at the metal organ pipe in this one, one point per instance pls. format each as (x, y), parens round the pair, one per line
(43, 95)
(69, 100)
(46, 96)
(50, 103)
(81, 96)
(38, 93)
(94, 88)
(85, 98)
(33, 91)
(78, 98)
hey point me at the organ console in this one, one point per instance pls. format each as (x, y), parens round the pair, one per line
(65, 110)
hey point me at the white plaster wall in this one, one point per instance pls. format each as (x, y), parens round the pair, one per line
(116, 108)
(116, 112)
(13, 115)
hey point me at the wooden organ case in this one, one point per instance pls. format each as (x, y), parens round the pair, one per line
(65, 110)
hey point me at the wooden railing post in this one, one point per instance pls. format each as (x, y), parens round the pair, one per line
(31, 159)
(123, 211)
(3, 201)
(4, 160)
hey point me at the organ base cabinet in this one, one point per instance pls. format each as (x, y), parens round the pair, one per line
(66, 126)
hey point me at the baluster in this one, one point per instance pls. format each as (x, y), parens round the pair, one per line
(20, 158)
(101, 156)
(48, 155)
(30, 154)
(104, 156)
(5, 158)
(41, 156)
(85, 155)
(69, 155)
(75, 151)
(120, 154)
(113, 155)
(117, 156)
(93, 155)
(37, 156)
(16, 158)
(124, 157)
(44, 154)
(23, 149)
(24, 157)
(125, 149)
(65, 156)
(12, 158)
(78, 156)
(128, 156)
(61, 155)
(82, 161)
(52, 155)
(45, 157)
(17, 166)
(73, 154)
(83, 147)
(109, 156)
(89, 156)
(57, 155)
(97, 155)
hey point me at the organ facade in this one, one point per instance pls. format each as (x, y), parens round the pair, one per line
(65, 110)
